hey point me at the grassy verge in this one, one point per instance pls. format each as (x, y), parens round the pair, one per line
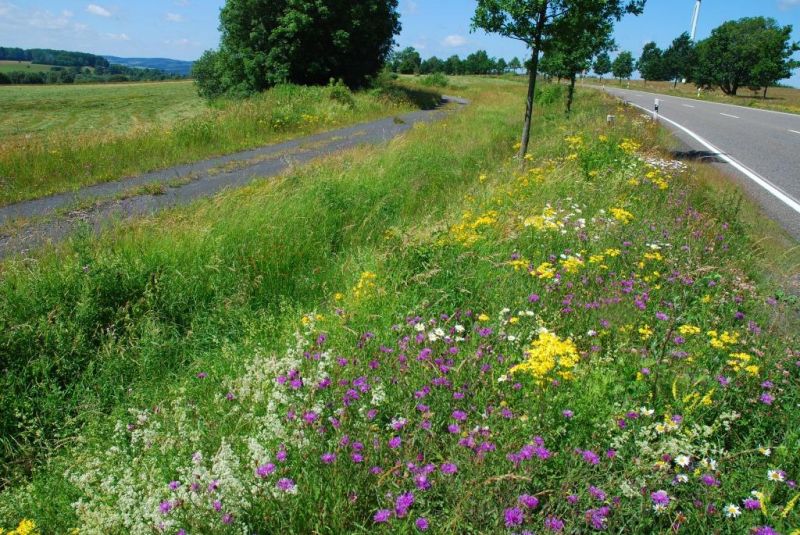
(61, 138)
(785, 99)
(422, 337)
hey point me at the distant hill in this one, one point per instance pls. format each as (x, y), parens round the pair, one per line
(172, 66)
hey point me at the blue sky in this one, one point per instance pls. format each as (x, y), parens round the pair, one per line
(182, 29)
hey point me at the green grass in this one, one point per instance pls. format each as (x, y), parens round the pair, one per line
(127, 355)
(59, 138)
(23, 66)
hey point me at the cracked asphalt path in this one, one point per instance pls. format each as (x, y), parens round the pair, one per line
(29, 225)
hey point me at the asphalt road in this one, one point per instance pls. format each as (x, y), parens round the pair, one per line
(760, 149)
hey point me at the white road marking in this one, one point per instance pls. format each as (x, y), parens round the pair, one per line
(729, 115)
(688, 106)
(752, 175)
(794, 131)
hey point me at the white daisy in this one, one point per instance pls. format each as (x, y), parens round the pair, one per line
(732, 511)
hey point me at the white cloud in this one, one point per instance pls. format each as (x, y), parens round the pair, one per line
(118, 36)
(49, 21)
(786, 5)
(454, 41)
(174, 17)
(100, 11)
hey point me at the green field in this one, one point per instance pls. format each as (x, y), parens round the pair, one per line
(58, 138)
(22, 66)
(428, 335)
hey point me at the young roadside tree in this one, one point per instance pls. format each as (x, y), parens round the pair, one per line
(623, 66)
(535, 23)
(431, 65)
(265, 42)
(651, 63)
(515, 65)
(590, 33)
(680, 59)
(746, 52)
(602, 65)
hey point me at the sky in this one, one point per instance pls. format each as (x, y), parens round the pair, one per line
(183, 29)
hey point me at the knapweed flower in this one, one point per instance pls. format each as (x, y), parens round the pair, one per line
(596, 493)
(597, 518)
(513, 517)
(531, 502)
(395, 442)
(449, 468)
(382, 516)
(554, 524)
(660, 500)
(568, 414)
(422, 524)
(752, 504)
(286, 485)
(459, 416)
(328, 458)
(767, 398)
(403, 504)
(264, 470)
(764, 530)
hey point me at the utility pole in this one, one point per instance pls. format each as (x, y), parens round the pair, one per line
(695, 18)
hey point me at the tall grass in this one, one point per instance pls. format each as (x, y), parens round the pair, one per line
(189, 318)
(62, 160)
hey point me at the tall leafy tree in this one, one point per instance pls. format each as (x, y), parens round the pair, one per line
(748, 52)
(266, 42)
(535, 23)
(623, 66)
(453, 65)
(680, 59)
(602, 64)
(515, 64)
(651, 63)
(406, 61)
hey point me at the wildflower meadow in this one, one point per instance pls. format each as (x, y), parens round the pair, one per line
(584, 342)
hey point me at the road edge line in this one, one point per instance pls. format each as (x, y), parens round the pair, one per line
(752, 175)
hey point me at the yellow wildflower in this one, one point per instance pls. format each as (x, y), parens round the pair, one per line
(688, 330)
(546, 270)
(483, 317)
(572, 264)
(645, 332)
(547, 354)
(622, 215)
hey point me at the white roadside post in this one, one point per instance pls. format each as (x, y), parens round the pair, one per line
(655, 113)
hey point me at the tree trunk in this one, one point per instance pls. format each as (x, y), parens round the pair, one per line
(532, 73)
(571, 93)
(765, 91)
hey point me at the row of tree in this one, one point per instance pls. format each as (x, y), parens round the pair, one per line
(752, 52)
(45, 56)
(409, 61)
(79, 75)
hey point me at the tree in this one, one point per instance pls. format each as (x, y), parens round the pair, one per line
(453, 65)
(623, 66)
(589, 34)
(407, 61)
(747, 52)
(431, 65)
(267, 42)
(651, 63)
(535, 22)
(478, 63)
(515, 64)
(602, 64)
(501, 66)
(680, 59)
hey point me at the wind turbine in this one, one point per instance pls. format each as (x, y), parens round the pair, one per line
(695, 18)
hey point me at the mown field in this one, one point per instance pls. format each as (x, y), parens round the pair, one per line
(59, 138)
(785, 99)
(423, 337)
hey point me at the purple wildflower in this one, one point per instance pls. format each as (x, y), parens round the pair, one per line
(660, 498)
(531, 502)
(568, 414)
(395, 442)
(449, 468)
(264, 470)
(286, 485)
(328, 458)
(767, 398)
(554, 524)
(752, 504)
(513, 517)
(382, 516)
(227, 518)
(422, 524)
(165, 507)
(403, 504)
